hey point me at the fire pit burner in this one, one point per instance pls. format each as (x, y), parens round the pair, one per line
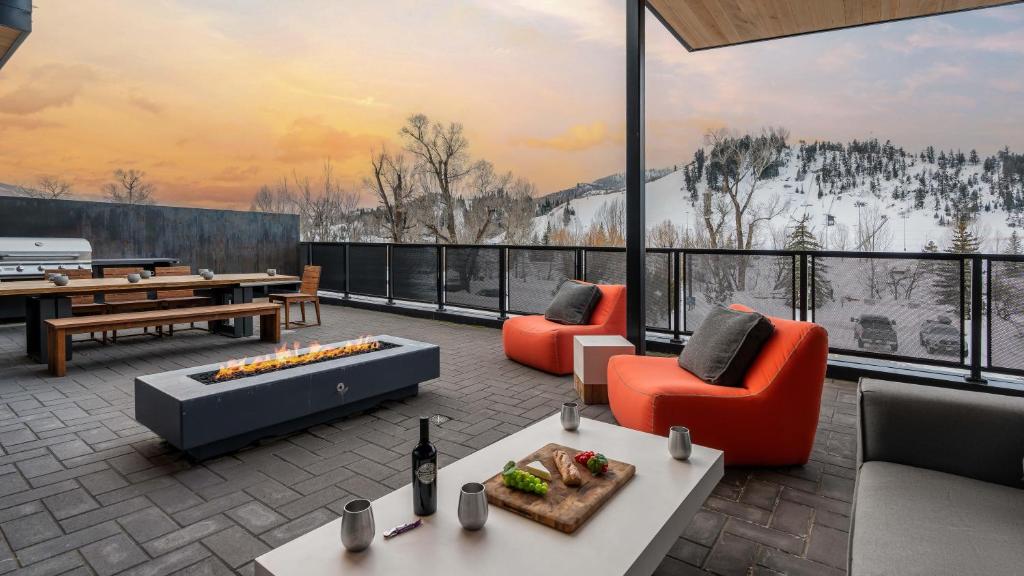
(284, 359)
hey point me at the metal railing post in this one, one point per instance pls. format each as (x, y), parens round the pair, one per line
(687, 287)
(803, 286)
(348, 259)
(440, 276)
(813, 289)
(579, 271)
(977, 311)
(988, 314)
(389, 260)
(675, 305)
(502, 283)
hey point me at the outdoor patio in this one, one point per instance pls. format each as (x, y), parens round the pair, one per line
(85, 489)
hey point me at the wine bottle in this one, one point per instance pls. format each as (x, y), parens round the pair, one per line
(424, 473)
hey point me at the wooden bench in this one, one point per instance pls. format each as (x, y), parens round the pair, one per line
(58, 329)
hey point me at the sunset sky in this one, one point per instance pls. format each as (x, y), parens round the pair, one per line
(212, 98)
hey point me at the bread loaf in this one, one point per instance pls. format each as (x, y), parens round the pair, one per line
(566, 468)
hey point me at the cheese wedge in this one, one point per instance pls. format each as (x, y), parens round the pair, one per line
(538, 470)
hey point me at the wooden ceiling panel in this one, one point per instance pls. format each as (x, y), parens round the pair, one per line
(7, 38)
(703, 24)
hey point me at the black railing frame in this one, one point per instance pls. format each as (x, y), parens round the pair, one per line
(975, 291)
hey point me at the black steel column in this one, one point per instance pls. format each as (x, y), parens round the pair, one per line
(636, 257)
(977, 312)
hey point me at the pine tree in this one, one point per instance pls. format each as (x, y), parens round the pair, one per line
(952, 289)
(1014, 245)
(802, 238)
(1008, 281)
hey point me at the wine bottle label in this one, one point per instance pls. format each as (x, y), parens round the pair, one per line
(427, 472)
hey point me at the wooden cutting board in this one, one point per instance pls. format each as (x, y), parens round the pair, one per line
(563, 508)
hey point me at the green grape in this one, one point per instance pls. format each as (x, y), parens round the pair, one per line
(523, 480)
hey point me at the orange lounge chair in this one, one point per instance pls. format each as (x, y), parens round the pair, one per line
(770, 421)
(545, 345)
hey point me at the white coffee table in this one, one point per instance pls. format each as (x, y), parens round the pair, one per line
(629, 535)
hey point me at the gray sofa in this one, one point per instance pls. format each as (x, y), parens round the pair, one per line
(939, 484)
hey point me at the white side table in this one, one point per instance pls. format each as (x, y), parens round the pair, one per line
(590, 364)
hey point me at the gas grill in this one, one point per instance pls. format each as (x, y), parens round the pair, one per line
(28, 258)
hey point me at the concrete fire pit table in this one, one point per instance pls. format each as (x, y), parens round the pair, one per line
(205, 418)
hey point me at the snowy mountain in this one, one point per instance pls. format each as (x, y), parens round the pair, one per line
(848, 192)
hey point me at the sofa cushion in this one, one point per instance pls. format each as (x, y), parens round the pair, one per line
(725, 345)
(573, 303)
(911, 520)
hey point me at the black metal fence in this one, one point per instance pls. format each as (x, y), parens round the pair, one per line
(949, 310)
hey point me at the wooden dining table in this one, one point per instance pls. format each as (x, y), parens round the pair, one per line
(45, 300)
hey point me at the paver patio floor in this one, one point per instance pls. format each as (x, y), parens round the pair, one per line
(85, 489)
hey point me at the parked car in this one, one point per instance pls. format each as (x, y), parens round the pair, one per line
(940, 336)
(875, 330)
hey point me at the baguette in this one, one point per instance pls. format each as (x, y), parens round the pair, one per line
(570, 475)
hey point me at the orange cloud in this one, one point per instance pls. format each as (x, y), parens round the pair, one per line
(236, 174)
(312, 139)
(143, 103)
(576, 138)
(51, 86)
(26, 124)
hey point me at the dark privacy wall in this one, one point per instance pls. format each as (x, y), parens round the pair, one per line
(222, 240)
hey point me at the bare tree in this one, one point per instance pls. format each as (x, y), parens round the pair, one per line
(47, 188)
(481, 212)
(664, 235)
(394, 186)
(276, 199)
(519, 212)
(441, 152)
(129, 187)
(743, 163)
(325, 209)
(714, 214)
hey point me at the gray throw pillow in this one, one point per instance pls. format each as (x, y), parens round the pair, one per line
(573, 303)
(725, 345)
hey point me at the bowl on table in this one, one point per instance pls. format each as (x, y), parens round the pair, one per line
(146, 274)
(133, 278)
(59, 279)
(206, 274)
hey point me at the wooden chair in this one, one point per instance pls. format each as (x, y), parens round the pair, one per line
(121, 302)
(170, 299)
(307, 293)
(82, 305)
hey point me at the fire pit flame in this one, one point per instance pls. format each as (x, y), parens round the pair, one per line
(285, 357)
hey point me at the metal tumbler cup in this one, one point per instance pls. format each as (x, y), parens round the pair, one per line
(473, 506)
(679, 444)
(357, 527)
(570, 416)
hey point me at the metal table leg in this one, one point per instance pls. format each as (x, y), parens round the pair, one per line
(39, 309)
(240, 327)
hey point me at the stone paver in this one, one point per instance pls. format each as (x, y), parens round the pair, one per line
(84, 489)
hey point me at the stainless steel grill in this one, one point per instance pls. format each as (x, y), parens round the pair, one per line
(27, 258)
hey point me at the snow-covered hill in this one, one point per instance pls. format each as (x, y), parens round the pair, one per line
(904, 207)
